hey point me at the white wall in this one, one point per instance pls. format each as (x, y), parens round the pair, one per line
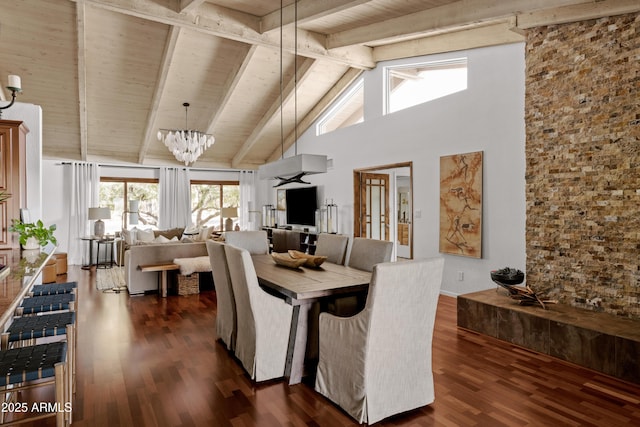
(488, 117)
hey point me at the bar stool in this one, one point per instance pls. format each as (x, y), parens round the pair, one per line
(53, 289)
(25, 331)
(46, 303)
(19, 366)
(33, 327)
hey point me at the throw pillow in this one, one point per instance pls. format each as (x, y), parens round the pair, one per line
(191, 232)
(129, 236)
(205, 233)
(161, 239)
(145, 235)
(170, 233)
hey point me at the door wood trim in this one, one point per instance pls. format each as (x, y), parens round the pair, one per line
(357, 211)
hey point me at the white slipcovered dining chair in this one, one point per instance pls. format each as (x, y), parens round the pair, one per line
(378, 362)
(263, 321)
(333, 246)
(226, 305)
(256, 242)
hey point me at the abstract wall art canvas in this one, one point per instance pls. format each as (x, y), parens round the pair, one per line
(461, 204)
(282, 200)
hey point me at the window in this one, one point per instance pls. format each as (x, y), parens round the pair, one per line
(207, 199)
(346, 112)
(409, 85)
(114, 192)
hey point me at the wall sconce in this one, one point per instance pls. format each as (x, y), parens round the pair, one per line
(14, 87)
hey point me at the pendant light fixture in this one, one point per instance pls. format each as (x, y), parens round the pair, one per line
(186, 145)
(291, 169)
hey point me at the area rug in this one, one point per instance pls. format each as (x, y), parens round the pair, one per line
(110, 279)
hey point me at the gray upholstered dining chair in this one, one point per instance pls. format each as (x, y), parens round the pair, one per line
(256, 242)
(226, 307)
(365, 254)
(333, 246)
(264, 321)
(378, 362)
(279, 240)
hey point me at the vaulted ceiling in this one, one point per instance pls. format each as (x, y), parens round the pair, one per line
(109, 73)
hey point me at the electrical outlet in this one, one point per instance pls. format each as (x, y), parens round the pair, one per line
(460, 276)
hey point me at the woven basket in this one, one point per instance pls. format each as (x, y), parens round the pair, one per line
(188, 285)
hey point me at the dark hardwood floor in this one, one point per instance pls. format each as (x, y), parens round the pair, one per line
(148, 361)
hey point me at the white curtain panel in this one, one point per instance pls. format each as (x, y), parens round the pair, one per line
(175, 198)
(84, 179)
(248, 219)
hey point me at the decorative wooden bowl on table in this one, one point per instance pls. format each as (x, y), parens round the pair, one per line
(286, 260)
(310, 260)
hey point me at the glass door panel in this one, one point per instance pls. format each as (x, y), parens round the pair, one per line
(374, 206)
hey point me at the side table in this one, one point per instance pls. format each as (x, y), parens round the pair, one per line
(108, 242)
(108, 258)
(90, 240)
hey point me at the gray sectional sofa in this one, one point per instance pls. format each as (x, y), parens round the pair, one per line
(139, 282)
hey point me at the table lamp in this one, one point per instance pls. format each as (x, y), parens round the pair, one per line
(229, 213)
(98, 214)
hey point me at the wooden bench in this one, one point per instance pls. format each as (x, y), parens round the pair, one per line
(162, 268)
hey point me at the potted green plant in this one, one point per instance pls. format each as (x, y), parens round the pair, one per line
(33, 235)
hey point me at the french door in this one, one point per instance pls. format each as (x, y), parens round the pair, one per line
(372, 202)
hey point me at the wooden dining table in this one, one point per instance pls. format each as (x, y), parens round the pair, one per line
(301, 287)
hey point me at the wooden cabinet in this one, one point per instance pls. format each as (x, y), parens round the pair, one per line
(13, 177)
(308, 242)
(403, 233)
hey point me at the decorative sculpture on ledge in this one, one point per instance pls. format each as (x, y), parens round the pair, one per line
(508, 278)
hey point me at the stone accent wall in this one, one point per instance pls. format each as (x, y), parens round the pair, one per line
(582, 114)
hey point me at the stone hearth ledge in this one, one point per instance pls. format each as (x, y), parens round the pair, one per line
(595, 340)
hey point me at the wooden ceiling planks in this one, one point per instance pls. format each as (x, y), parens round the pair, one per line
(132, 77)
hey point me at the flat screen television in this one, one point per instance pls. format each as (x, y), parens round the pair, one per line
(301, 205)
